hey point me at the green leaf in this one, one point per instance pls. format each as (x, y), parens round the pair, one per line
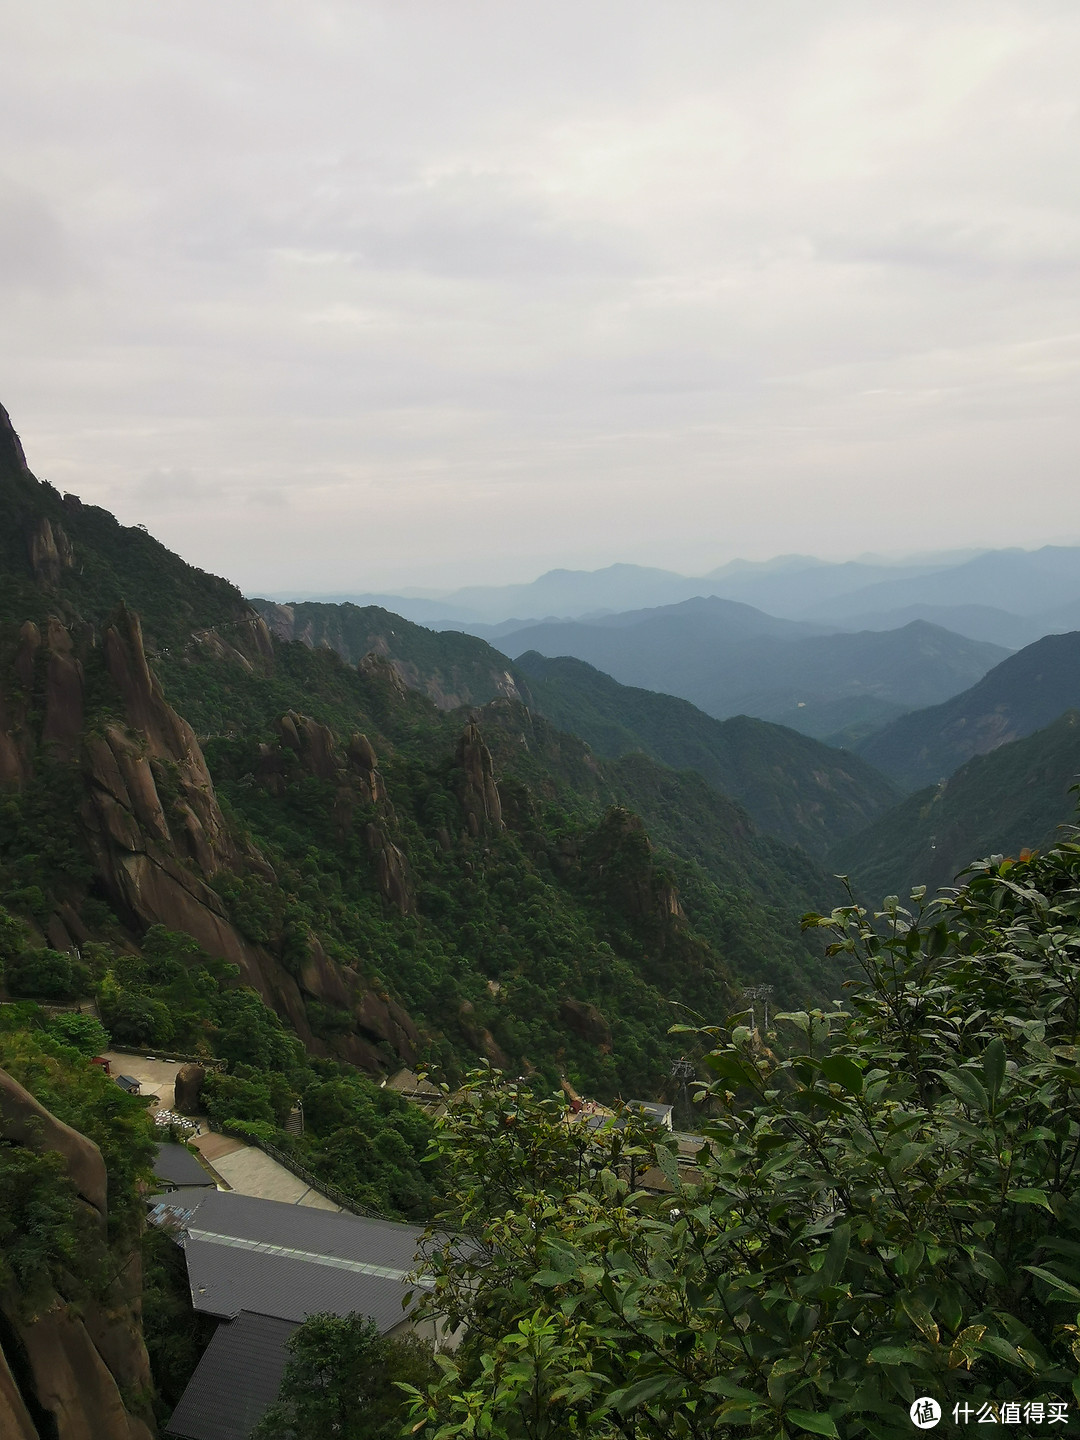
(965, 1347)
(835, 1256)
(993, 1066)
(816, 1424)
(721, 1385)
(1030, 1197)
(893, 1355)
(966, 1087)
(986, 1266)
(669, 1165)
(919, 1313)
(843, 1071)
(1051, 1279)
(637, 1394)
(549, 1277)
(799, 1018)
(728, 1067)
(995, 1345)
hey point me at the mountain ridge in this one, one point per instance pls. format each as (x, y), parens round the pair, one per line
(796, 788)
(1024, 693)
(375, 875)
(1012, 798)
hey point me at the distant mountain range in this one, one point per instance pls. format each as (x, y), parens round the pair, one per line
(732, 659)
(1002, 752)
(1026, 692)
(1008, 597)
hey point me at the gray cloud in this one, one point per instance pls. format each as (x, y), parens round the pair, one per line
(475, 290)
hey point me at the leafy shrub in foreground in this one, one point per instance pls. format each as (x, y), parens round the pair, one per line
(891, 1210)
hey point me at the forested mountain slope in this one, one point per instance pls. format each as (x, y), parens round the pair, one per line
(795, 788)
(1024, 693)
(1012, 799)
(61, 557)
(375, 876)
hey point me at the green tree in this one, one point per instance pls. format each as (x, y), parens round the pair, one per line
(84, 1033)
(885, 1205)
(132, 1018)
(43, 1229)
(342, 1381)
(46, 975)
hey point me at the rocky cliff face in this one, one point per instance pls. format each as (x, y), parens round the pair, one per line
(71, 1365)
(306, 747)
(451, 669)
(152, 822)
(480, 797)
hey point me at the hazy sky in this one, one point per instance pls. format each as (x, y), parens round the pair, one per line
(401, 292)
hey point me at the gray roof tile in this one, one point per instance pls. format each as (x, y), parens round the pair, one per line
(236, 1380)
(225, 1280)
(302, 1227)
(289, 1261)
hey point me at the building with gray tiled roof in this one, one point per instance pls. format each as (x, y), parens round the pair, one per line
(261, 1267)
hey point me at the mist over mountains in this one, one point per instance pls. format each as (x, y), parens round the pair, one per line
(731, 659)
(1006, 597)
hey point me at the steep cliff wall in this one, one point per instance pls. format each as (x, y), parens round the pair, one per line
(451, 669)
(73, 1365)
(153, 827)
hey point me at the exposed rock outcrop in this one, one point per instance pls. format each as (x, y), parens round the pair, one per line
(467, 672)
(246, 642)
(363, 764)
(154, 857)
(66, 1368)
(187, 1089)
(63, 723)
(323, 980)
(50, 553)
(73, 1384)
(586, 1020)
(155, 831)
(15, 1421)
(16, 693)
(12, 455)
(359, 783)
(480, 1038)
(384, 1019)
(23, 1121)
(480, 794)
(391, 869)
(620, 860)
(311, 746)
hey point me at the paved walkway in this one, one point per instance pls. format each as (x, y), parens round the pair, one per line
(249, 1171)
(155, 1077)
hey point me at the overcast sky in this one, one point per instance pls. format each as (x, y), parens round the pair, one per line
(360, 295)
